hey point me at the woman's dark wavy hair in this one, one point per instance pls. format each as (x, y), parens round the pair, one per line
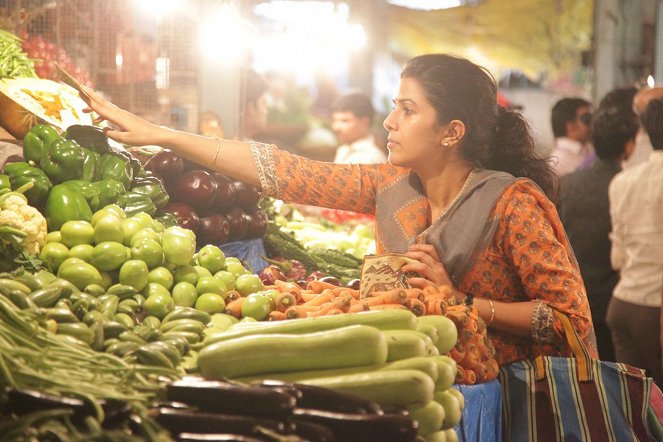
(495, 138)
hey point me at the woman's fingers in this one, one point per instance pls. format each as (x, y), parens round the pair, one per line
(425, 248)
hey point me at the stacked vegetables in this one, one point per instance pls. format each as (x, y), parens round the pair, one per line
(75, 175)
(388, 357)
(217, 208)
(14, 62)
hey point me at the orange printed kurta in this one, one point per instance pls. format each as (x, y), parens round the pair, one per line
(529, 257)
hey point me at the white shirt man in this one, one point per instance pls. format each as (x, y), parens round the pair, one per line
(362, 151)
(352, 118)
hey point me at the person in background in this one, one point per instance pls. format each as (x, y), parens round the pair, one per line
(636, 211)
(642, 144)
(253, 112)
(463, 195)
(571, 124)
(352, 122)
(584, 209)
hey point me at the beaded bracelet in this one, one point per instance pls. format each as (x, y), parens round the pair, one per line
(492, 312)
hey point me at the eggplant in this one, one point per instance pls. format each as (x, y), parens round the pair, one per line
(320, 398)
(351, 427)
(226, 397)
(314, 432)
(190, 421)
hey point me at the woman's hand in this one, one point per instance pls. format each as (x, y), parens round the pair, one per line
(428, 266)
(127, 127)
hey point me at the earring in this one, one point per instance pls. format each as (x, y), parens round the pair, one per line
(445, 144)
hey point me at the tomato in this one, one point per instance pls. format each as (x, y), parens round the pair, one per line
(235, 268)
(185, 294)
(76, 232)
(130, 227)
(159, 304)
(152, 288)
(256, 306)
(108, 255)
(117, 210)
(179, 245)
(79, 273)
(82, 251)
(161, 275)
(53, 254)
(202, 271)
(134, 273)
(149, 251)
(101, 214)
(210, 284)
(210, 303)
(186, 273)
(248, 283)
(212, 258)
(227, 278)
(144, 233)
(54, 236)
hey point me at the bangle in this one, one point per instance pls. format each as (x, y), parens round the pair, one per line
(469, 300)
(492, 312)
(216, 154)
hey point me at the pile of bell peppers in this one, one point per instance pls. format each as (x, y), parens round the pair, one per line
(79, 172)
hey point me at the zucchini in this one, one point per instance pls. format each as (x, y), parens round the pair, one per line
(77, 330)
(404, 344)
(389, 388)
(46, 297)
(61, 315)
(423, 364)
(187, 313)
(446, 331)
(429, 417)
(7, 285)
(343, 347)
(382, 320)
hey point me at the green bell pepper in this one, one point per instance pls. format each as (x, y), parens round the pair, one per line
(167, 219)
(152, 187)
(98, 194)
(37, 141)
(4, 182)
(115, 166)
(133, 203)
(91, 165)
(65, 161)
(64, 204)
(89, 137)
(21, 173)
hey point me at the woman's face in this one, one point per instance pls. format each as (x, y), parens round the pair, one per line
(414, 133)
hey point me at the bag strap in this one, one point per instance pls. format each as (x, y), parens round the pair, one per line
(583, 360)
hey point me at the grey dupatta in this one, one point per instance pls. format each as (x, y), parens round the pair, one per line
(460, 233)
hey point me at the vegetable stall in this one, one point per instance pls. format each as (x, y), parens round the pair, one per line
(122, 317)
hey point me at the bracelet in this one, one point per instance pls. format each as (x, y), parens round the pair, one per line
(216, 154)
(492, 312)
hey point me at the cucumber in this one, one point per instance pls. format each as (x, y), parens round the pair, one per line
(452, 410)
(126, 320)
(113, 329)
(404, 344)
(423, 364)
(122, 349)
(389, 388)
(429, 417)
(187, 313)
(275, 353)
(152, 322)
(447, 370)
(46, 297)
(61, 315)
(21, 300)
(77, 330)
(382, 320)
(190, 325)
(429, 330)
(7, 285)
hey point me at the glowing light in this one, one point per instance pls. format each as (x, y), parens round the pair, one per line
(224, 36)
(159, 8)
(427, 5)
(119, 60)
(650, 81)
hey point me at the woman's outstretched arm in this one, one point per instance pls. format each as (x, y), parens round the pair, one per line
(232, 158)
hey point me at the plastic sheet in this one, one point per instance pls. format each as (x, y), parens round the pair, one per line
(482, 416)
(250, 251)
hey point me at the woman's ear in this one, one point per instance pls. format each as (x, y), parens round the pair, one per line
(455, 132)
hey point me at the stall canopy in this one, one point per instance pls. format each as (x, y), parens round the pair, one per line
(534, 36)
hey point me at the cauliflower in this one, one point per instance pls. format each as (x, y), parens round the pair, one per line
(16, 212)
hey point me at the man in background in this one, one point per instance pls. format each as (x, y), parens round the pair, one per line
(571, 124)
(642, 144)
(352, 122)
(584, 209)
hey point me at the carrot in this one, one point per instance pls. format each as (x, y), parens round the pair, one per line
(324, 310)
(472, 355)
(284, 301)
(234, 307)
(393, 296)
(343, 301)
(354, 293)
(457, 353)
(465, 335)
(275, 315)
(482, 372)
(435, 306)
(319, 286)
(388, 307)
(470, 377)
(307, 295)
(359, 307)
(325, 296)
(416, 306)
(472, 324)
(431, 291)
(415, 293)
(285, 286)
(460, 374)
(232, 295)
(300, 311)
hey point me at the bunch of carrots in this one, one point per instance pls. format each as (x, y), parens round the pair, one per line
(474, 352)
(321, 299)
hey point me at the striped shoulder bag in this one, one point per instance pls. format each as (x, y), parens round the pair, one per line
(578, 399)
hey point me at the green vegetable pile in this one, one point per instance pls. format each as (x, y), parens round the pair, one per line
(14, 63)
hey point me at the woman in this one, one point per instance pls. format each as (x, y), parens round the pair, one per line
(447, 198)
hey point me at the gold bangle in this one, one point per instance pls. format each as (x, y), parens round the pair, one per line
(216, 154)
(492, 312)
